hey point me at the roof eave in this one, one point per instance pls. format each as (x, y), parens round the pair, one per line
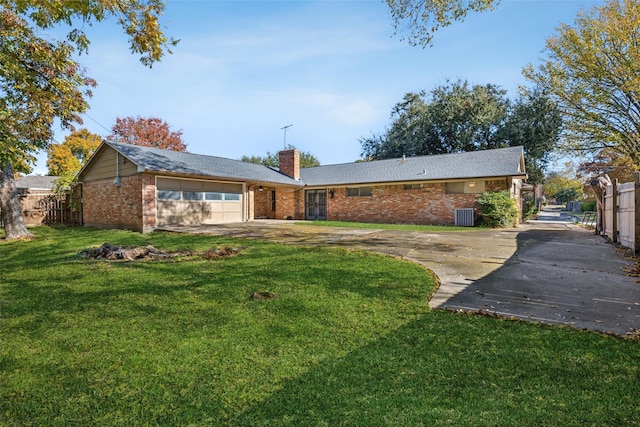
(252, 181)
(518, 175)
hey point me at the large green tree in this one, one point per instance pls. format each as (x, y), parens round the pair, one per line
(40, 81)
(592, 70)
(535, 123)
(564, 183)
(307, 160)
(458, 117)
(452, 118)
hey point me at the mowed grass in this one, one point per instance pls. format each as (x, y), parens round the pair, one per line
(349, 341)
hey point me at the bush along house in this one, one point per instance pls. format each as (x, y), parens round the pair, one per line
(142, 189)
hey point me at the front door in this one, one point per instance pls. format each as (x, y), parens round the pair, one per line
(316, 205)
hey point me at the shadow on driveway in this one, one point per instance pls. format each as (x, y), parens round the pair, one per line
(559, 274)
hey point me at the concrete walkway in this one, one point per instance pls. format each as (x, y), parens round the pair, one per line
(548, 271)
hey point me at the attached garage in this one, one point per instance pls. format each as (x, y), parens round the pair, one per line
(188, 201)
(143, 188)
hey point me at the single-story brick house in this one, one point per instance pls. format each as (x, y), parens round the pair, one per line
(141, 188)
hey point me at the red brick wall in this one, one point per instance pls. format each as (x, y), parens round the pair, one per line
(262, 203)
(393, 204)
(106, 205)
(286, 203)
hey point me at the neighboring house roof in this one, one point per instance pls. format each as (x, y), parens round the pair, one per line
(36, 182)
(176, 162)
(501, 162)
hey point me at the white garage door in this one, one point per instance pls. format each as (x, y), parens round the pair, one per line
(189, 202)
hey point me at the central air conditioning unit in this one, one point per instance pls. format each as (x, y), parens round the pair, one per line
(464, 217)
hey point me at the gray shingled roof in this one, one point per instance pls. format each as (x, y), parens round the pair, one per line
(157, 160)
(500, 162)
(36, 182)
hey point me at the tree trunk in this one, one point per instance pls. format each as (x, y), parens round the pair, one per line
(12, 217)
(599, 187)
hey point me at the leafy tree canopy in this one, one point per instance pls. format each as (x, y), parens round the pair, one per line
(568, 194)
(146, 131)
(138, 18)
(458, 117)
(66, 159)
(454, 118)
(592, 71)
(40, 81)
(608, 162)
(70, 155)
(307, 160)
(418, 20)
(535, 123)
(563, 182)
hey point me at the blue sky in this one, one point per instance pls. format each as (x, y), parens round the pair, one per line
(333, 69)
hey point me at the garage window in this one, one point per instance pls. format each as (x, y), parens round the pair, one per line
(168, 195)
(219, 197)
(192, 195)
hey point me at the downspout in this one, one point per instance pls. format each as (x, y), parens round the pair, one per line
(116, 181)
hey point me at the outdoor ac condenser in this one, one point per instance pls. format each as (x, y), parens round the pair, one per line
(464, 217)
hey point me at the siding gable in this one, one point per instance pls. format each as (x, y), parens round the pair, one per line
(103, 165)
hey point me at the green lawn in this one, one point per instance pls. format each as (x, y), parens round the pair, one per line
(349, 341)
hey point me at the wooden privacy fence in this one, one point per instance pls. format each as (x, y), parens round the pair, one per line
(44, 207)
(58, 210)
(621, 206)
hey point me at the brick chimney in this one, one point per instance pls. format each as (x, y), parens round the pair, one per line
(290, 163)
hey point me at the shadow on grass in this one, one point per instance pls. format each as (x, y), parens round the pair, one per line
(454, 369)
(431, 368)
(146, 288)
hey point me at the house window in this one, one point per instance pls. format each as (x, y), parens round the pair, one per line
(465, 187)
(273, 200)
(231, 197)
(358, 191)
(454, 188)
(412, 186)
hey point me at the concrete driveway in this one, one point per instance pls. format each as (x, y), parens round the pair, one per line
(549, 271)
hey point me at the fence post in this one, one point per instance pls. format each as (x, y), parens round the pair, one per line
(636, 213)
(614, 217)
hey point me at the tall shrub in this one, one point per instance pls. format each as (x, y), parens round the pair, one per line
(498, 209)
